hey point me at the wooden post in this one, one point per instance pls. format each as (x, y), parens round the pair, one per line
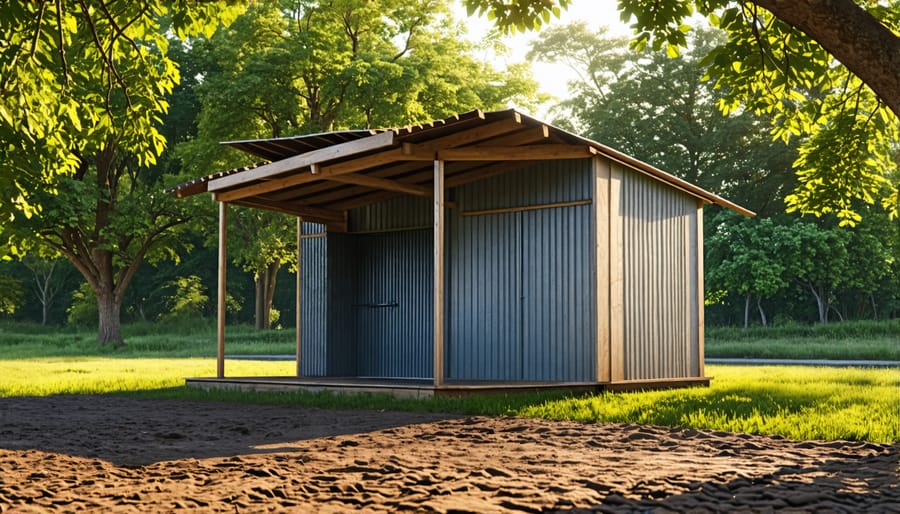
(616, 278)
(438, 272)
(700, 299)
(299, 284)
(601, 265)
(223, 235)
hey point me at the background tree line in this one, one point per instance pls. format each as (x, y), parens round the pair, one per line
(96, 239)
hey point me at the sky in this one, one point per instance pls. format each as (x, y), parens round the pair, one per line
(551, 77)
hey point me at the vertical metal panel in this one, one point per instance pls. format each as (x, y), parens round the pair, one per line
(521, 301)
(659, 282)
(342, 286)
(313, 303)
(405, 212)
(393, 304)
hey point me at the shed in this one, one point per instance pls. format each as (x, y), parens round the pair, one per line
(485, 251)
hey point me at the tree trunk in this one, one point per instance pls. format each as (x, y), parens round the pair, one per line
(109, 331)
(762, 314)
(874, 309)
(746, 311)
(872, 53)
(259, 314)
(820, 303)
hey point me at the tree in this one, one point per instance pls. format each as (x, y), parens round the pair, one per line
(304, 67)
(93, 81)
(11, 294)
(743, 258)
(77, 75)
(781, 58)
(659, 109)
(47, 282)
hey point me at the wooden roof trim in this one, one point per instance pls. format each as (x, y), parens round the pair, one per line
(337, 151)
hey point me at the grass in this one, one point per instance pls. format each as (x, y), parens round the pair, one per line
(867, 340)
(856, 340)
(793, 402)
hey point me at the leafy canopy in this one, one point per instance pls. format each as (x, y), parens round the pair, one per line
(848, 134)
(76, 75)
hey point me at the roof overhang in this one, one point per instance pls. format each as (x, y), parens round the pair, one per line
(322, 176)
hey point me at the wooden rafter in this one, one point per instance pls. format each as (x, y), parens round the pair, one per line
(376, 142)
(382, 183)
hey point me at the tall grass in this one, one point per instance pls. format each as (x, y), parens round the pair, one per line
(852, 340)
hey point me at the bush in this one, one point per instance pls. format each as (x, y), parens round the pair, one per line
(188, 300)
(83, 312)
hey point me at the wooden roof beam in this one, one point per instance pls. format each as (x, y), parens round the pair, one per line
(383, 183)
(366, 144)
(516, 153)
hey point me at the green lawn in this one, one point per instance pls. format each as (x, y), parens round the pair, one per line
(794, 402)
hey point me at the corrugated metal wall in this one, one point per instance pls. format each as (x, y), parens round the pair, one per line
(392, 311)
(520, 283)
(342, 287)
(660, 280)
(404, 212)
(313, 288)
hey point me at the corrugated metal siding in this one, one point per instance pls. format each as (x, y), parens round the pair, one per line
(313, 295)
(660, 286)
(393, 312)
(520, 296)
(405, 212)
(341, 273)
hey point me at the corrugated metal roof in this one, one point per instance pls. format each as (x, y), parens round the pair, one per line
(321, 176)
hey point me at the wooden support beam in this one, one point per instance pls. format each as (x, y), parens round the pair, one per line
(383, 184)
(601, 168)
(299, 316)
(438, 273)
(352, 166)
(516, 153)
(700, 299)
(317, 214)
(366, 144)
(220, 306)
(616, 277)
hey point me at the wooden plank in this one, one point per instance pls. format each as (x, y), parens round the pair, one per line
(524, 208)
(516, 153)
(220, 305)
(304, 160)
(299, 296)
(295, 209)
(438, 273)
(383, 184)
(700, 298)
(371, 161)
(616, 278)
(601, 170)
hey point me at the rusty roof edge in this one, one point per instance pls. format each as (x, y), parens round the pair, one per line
(649, 169)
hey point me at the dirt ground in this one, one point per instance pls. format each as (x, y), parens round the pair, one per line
(112, 454)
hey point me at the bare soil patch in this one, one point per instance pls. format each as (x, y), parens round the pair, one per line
(114, 454)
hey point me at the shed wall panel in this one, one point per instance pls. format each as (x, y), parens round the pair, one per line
(520, 300)
(341, 331)
(393, 304)
(659, 282)
(313, 305)
(404, 212)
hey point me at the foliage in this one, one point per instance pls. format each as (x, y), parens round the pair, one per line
(11, 295)
(76, 76)
(188, 298)
(517, 15)
(660, 110)
(848, 133)
(82, 311)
